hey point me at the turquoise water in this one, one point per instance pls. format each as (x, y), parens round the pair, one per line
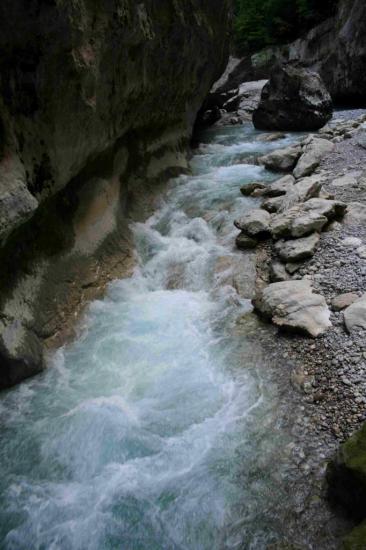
(157, 428)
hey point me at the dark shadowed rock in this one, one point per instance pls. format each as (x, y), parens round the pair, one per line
(294, 99)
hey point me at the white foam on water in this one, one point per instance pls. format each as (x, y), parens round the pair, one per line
(137, 434)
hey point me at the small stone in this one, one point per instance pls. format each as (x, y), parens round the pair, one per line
(351, 242)
(343, 301)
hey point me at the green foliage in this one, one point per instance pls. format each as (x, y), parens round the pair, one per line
(261, 23)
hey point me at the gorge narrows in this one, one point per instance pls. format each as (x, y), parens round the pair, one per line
(165, 424)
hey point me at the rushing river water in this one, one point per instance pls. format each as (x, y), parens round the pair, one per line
(157, 428)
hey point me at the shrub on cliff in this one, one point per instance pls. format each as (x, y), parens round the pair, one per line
(261, 23)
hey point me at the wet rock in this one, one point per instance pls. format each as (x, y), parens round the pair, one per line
(255, 223)
(244, 242)
(314, 151)
(20, 351)
(355, 314)
(267, 138)
(294, 99)
(17, 204)
(292, 305)
(280, 187)
(343, 301)
(248, 188)
(297, 249)
(282, 160)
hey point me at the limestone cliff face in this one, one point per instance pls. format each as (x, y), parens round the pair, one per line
(97, 103)
(336, 49)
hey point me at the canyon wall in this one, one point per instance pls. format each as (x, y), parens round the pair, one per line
(336, 49)
(97, 103)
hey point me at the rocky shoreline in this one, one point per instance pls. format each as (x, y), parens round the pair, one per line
(327, 372)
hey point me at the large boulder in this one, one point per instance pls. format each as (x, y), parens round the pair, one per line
(292, 305)
(294, 99)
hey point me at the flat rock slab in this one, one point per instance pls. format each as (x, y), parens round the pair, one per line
(282, 160)
(305, 218)
(292, 305)
(296, 250)
(314, 152)
(355, 315)
(255, 223)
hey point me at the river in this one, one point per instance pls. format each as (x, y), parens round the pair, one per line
(161, 426)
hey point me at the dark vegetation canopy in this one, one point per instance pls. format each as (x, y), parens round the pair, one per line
(261, 23)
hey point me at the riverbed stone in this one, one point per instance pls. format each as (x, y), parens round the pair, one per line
(248, 188)
(281, 160)
(267, 138)
(314, 151)
(295, 250)
(342, 301)
(255, 223)
(303, 190)
(305, 218)
(292, 305)
(355, 314)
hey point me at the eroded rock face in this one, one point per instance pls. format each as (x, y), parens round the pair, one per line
(335, 49)
(97, 104)
(292, 305)
(294, 99)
